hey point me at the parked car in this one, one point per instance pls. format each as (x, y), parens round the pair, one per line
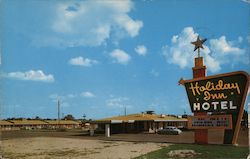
(170, 130)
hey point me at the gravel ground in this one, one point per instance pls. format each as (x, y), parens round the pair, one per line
(39, 144)
(65, 148)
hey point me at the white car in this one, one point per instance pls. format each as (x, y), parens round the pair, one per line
(170, 130)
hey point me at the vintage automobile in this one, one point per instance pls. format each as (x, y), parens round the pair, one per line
(170, 130)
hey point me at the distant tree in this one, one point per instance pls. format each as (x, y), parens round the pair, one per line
(19, 118)
(184, 116)
(84, 116)
(37, 118)
(69, 117)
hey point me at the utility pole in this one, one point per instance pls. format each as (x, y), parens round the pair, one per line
(125, 111)
(58, 110)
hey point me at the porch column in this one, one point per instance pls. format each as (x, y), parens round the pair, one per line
(160, 125)
(107, 130)
(92, 130)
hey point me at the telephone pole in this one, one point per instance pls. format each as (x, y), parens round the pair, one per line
(58, 110)
(125, 110)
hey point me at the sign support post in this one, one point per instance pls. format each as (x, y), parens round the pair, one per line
(199, 70)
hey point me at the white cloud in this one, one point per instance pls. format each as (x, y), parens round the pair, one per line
(91, 23)
(212, 64)
(141, 50)
(64, 104)
(226, 52)
(154, 73)
(240, 39)
(118, 102)
(31, 76)
(181, 51)
(80, 61)
(62, 98)
(87, 95)
(66, 97)
(247, 1)
(174, 38)
(222, 46)
(131, 26)
(55, 97)
(71, 95)
(219, 52)
(248, 39)
(120, 56)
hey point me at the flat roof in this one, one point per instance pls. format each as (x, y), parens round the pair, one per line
(140, 117)
(38, 122)
(27, 122)
(4, 122)
(63, 122)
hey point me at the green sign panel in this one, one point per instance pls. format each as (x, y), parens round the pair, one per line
(220, 94)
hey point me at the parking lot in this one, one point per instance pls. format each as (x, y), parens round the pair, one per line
(214, 137)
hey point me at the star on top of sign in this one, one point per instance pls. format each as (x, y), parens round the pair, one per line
(198, 44)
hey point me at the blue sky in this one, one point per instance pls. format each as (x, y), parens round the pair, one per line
(98, 57)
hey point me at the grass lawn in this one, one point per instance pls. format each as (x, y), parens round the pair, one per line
(201, 151)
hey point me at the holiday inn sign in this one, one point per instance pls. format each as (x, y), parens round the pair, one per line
(222, 94)
(218, 93)
(216, 101)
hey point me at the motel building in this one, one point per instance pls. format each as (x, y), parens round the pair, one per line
(6, 125)
(146, 122)
(28, 124)
(24, 124)
(67, 124)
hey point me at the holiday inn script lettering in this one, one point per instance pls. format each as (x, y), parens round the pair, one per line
(212, 91)
(219, 94)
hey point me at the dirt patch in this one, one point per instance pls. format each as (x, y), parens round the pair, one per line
(183, 153)
(64, 148)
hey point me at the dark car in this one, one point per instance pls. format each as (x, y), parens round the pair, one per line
(170, 130)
